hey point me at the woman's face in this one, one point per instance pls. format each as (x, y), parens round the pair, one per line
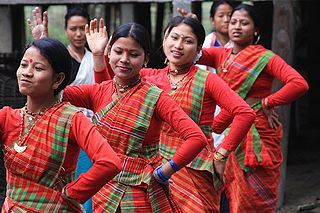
(241, 28)
(126, 58)
(35, 75)
(75, 31)
(180, 46)
(221, 18)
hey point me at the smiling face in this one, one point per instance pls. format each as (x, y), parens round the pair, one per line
(241, 28)
(126, 58)
(35, 75)
(180, 46)
(75, 31)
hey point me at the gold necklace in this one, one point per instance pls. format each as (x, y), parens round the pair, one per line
(124, 88)
(175, 85)
(35, 116)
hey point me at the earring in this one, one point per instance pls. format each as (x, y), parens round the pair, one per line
(166, 61)
(145, 64)
(255, 33)
(258, 38)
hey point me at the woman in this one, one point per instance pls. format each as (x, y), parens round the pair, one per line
(195, 187)
(129, 112)
(253, 171)
(220, 13)
(75, 19)
(41, 141)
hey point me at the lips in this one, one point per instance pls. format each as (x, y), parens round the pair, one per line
(176, 53)
(123, 69)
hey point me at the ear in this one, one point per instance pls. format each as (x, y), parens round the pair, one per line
(58, 79)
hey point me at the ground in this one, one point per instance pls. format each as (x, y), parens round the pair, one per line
(303, 174)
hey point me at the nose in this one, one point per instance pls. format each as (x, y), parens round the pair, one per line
(178, 44)
(124, 58)
(78, 32)
(27, 72)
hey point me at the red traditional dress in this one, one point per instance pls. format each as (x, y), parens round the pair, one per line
(131, 125)
(37, 175)
(194, 187)
(253, 171)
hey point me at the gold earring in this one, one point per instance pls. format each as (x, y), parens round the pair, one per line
(166, 61)
(255, 33)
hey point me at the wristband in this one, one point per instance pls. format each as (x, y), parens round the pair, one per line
(160, 174)
(174, 165)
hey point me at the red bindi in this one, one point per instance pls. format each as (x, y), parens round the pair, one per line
(126, 49)
(30, 60)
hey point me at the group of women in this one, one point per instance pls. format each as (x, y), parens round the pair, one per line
(150, 139)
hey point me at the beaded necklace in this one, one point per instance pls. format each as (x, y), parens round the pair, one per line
(33, 118)
(124, 88)
(175, 85)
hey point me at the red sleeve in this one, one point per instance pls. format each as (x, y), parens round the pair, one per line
(106, 163)
(213, 56)
(93, 96)
(236, 107)
(105, 74)
(195, 141)
(294, 84)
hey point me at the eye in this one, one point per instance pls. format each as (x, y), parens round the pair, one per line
(38, 68)
(23, 64)
(174, 37)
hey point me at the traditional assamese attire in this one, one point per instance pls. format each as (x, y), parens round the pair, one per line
(253, 171)
(195, 188)
(37, 175)
(131, 123)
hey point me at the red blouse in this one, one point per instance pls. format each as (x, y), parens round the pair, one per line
(98, 96)
(294, 84)
(82, 133)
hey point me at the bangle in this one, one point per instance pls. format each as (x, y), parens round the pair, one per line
(162, 178)
(174, 165)
(217, 156)
(264, 103)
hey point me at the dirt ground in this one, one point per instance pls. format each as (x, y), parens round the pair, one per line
(303, 175)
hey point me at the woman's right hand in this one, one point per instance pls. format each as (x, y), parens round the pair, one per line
(97, 37)
(39, 25)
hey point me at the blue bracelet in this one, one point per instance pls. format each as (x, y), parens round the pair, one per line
(174, 165)
(163, 177)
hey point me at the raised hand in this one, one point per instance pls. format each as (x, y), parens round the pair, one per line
(185, 13)
(39, 25)
(97, 37)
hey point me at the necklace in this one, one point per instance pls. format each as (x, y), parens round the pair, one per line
(33, 118)
(175, 85)
(228, 60)
(124, 88)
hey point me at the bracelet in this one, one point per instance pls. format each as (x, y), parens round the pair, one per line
(160, 174)
(217, 156)
(264, 103)
(174, 165)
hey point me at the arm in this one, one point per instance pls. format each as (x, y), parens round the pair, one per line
(106, 163)
(80, 95)
(188, 130)
(227, 99)
(39, 25)
(294, 84)
(213, 56)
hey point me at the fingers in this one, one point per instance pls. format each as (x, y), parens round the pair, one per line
(45, 19)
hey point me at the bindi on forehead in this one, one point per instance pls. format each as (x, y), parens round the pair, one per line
(30, 60)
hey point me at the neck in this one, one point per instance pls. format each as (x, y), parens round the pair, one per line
(76, 53)
(179, 70)
(122, 86)
(36, 105)
(223, 39)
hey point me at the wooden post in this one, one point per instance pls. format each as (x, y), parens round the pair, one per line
(5, 28)
(283, 44)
